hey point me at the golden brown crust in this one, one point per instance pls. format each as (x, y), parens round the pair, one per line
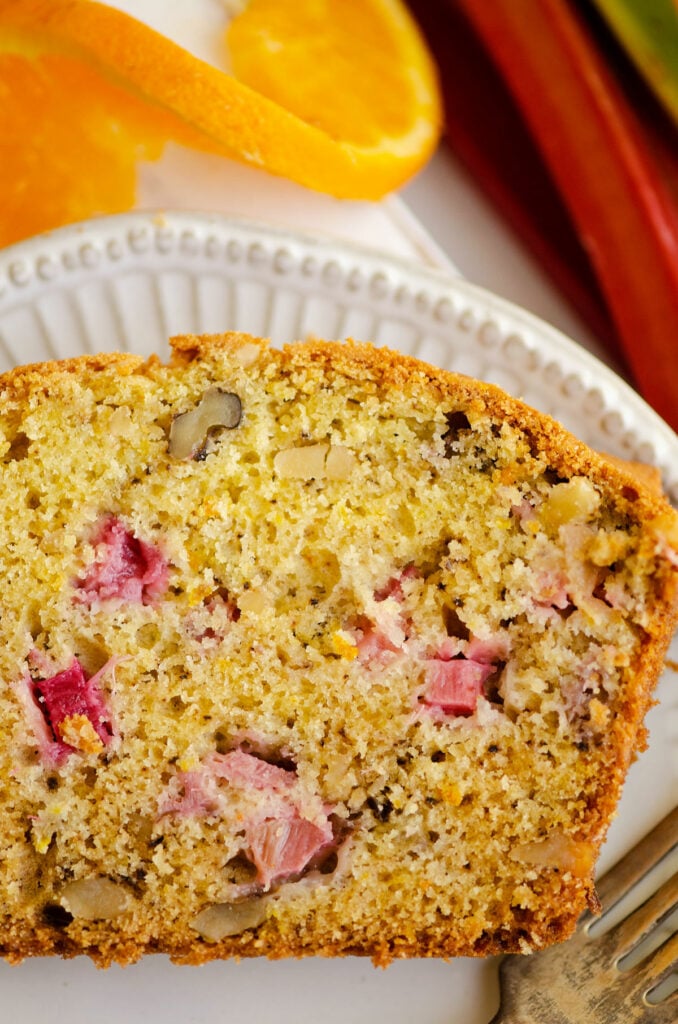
(446, 943)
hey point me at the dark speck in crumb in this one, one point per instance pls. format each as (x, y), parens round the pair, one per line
(56, 916)
(457, 423)
(382, 810)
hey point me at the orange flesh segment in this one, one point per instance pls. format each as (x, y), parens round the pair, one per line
(356, 81)
(69, 143)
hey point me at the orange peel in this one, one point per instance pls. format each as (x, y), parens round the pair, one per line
(382, 131)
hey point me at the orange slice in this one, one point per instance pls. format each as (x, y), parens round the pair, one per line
(339, 95)
(69, 143)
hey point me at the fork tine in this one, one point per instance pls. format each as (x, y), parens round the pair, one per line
(665, 1012)
(629, 932)
(638, 861)
(651, 971)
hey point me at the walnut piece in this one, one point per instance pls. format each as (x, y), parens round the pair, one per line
(190, 430)
(223, 919)
(315, 462)
(557, 851)
(574, 501)
(94, 899)
(340, 462)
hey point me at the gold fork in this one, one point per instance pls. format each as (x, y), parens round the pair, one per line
(580, 981)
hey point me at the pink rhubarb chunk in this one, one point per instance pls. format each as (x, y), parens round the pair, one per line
(192, 794)
(494, 648)
(374, 645)
(283, 843)
(125, 567)
(280, 842)
(245, 770)
(394, 586)
(282, 847)
(454, 686)
(66, 696)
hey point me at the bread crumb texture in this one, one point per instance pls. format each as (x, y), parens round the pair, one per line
(311, 651)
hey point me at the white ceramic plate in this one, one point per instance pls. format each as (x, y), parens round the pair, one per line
(129, 282)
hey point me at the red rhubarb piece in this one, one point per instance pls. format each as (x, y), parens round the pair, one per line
(125, 567)
(74, 715)
(246, 770)
(604, 167)
(282, 847)
(454, 686)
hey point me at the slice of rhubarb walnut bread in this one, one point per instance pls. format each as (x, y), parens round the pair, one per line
(319, 650)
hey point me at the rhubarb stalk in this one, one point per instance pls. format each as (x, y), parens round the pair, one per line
(604, 169)
(487, 133)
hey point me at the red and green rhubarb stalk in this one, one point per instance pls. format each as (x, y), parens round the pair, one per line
(604, 168)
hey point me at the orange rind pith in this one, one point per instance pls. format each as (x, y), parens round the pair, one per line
(338, 95)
